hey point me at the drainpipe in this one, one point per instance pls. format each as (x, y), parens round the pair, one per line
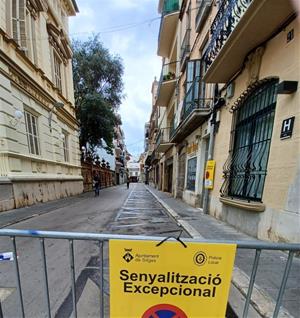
(218, 102)
(209, 157)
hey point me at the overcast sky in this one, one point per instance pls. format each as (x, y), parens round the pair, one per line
(128, 28)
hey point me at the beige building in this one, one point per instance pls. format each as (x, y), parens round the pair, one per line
(39, 152)
(229, 87)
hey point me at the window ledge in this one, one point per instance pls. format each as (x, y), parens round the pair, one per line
(250, 206)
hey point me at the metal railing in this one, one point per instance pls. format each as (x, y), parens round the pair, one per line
(168, 71)
(172, 128)
(103, 238)
(245, 169)
(228, 16)
(194, 98)
(185, 46)
(163, 136)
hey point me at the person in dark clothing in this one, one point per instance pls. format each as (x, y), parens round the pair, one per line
(96, 184)
(127, 178)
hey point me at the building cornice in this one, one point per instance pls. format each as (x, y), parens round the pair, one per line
(37, 159)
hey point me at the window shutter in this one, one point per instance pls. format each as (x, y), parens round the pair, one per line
(22, 23)
(33, 40)
(14, 18)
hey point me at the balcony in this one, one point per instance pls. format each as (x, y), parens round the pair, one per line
(118, 151)
(162, 140)
(154, 157)
(167, 84)
(194, 112)
(204, 7)
(239, 27)
(185, 48)
(168, 22)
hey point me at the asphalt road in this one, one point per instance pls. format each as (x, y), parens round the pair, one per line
(116, 210)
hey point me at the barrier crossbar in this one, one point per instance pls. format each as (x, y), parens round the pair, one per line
(258, 246)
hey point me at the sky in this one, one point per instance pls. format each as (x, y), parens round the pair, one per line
(128, 28)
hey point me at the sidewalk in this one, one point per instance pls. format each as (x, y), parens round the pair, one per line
(271, 264)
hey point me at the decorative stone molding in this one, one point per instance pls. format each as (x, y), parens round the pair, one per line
(249, 206)
(35, 91)
(247, 92)
(253, 64)
(29, 88)
(59, 41)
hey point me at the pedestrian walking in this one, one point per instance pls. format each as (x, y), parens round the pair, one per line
(96, 182)
(127, 179)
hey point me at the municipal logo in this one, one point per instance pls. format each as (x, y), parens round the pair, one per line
(164, 311)
(128, 256)
(200, 258)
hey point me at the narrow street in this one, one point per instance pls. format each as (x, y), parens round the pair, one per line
(141, 210)
(117, 210)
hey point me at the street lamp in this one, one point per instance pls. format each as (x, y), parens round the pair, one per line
(17, 118)
(55, 105)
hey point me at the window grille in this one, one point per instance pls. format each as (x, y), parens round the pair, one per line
(246, 167)
(191, 174)
(32, 133)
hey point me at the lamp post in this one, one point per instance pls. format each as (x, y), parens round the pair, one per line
(17, 118)
(55, 105)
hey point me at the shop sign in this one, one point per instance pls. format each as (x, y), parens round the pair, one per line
(287, 128)
(192, 148)
(169, 280)
(209, 174)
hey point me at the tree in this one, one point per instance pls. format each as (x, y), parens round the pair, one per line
(98, 92)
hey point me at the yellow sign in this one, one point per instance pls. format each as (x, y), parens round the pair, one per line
(209, 174)
(169, 280)
(192, 148)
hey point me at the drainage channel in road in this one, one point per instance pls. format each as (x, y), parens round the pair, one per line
(142, 214)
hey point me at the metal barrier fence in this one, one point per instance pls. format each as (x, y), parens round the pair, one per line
(102, 238)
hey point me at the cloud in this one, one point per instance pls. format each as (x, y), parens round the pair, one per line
(136, 46)
(130, 4)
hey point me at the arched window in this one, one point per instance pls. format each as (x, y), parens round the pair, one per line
(246, 169)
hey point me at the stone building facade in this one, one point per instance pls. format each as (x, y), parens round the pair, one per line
(229, 87)
(39, 151)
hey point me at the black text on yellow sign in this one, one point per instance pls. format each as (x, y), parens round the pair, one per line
(146, 280)
(209, 174)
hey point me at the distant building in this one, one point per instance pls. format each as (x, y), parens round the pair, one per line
(39, 148)
(133, 171)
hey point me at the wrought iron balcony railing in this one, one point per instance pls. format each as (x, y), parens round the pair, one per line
(168, 71)
(172, 128)
(228, 16)
(185, 46)
(162, 136)
(194, 98)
